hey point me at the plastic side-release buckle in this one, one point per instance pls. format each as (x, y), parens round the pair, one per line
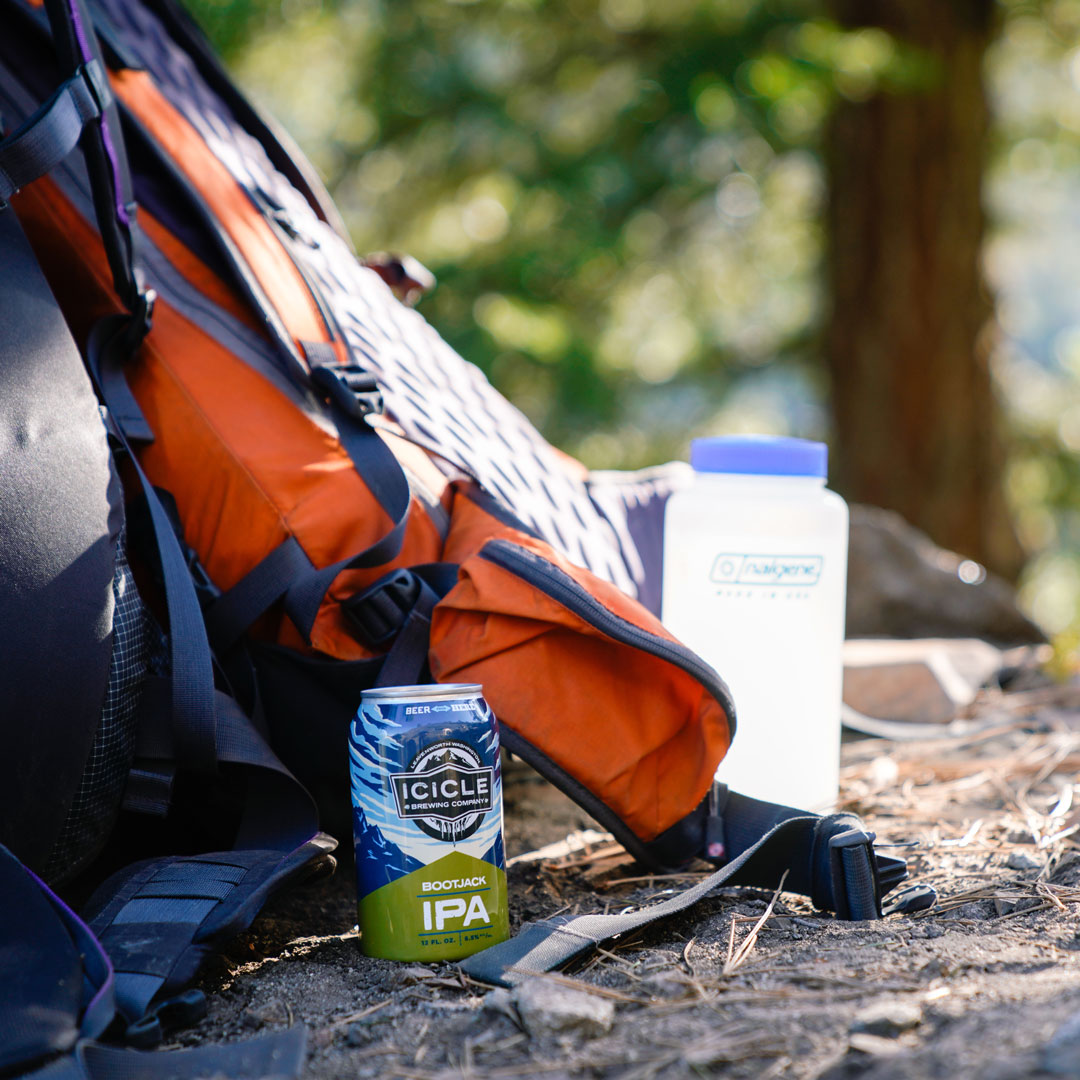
(376, 615)
(352, 389)
(913, 898)
(856, 888)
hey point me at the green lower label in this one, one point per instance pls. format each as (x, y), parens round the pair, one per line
(451, 908)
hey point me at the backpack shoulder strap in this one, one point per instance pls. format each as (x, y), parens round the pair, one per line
(52, 132)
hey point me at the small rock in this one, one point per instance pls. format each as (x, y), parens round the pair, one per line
(874, 1045)
(252, 1019)
(934, 931)
(548, 1008)
(1004, 907)
(1061, 1055)
(357, 1035)
(667, 981)
(1021, 860)
(500, 1000)
(255, 1018)
(887, 1019)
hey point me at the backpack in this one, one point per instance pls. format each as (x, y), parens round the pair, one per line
(318, 496)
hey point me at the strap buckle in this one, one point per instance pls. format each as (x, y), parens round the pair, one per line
(376, 615)
(350, 387)
(855, 881)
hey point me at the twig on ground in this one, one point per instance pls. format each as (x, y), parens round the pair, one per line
(353, 1017)
(736, 957)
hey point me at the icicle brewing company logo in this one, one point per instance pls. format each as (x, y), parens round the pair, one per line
(446, 790)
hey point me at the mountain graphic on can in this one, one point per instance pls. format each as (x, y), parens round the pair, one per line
(427, 822)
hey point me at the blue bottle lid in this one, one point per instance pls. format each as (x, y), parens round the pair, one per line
(761, 455)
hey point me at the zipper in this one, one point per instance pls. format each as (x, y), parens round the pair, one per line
(249, 285)
(563, 589)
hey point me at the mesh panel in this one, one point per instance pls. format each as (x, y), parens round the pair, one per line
(97, 799)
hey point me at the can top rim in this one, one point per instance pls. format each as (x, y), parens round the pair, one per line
(424, 690)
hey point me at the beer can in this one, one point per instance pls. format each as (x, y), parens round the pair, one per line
(427, 822)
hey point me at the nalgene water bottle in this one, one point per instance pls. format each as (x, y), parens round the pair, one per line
(755, 568)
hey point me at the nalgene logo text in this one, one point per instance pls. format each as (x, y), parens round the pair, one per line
(741, 569)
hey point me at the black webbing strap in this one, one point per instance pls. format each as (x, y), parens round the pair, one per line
(407, 658)
(234, 611)
(47, 137)
(103, 148)
(192, 705)
(288, 572)
(830, 859)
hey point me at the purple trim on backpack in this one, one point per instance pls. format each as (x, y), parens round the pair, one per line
(99, 1011)
(114, 162)
(106, 136)
(80, 31)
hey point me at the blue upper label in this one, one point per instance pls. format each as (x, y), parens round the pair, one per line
(397, 752)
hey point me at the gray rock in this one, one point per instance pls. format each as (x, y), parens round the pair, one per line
(901, 584)
(887, 1019)
(1061, 1055)
(926, 680)
(549, 1008)
(1021, 860)
(357, 1035)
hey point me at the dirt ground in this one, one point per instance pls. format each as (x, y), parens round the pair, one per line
(985, 984)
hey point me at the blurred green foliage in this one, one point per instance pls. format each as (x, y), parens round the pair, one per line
(622, 202)
(1032, 262)
(621, 199)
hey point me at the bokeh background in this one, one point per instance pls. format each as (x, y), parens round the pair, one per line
(855, 220)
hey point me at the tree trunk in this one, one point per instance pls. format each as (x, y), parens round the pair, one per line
(917, 426)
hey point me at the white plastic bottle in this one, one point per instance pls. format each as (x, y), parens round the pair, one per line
(755, 575)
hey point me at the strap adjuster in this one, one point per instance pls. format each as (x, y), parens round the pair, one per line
(376, 615)
(350, 387)
(856, 888)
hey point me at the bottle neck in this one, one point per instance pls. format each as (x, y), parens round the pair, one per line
(758, 480)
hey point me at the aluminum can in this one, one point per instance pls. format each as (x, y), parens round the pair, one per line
(427, 822)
